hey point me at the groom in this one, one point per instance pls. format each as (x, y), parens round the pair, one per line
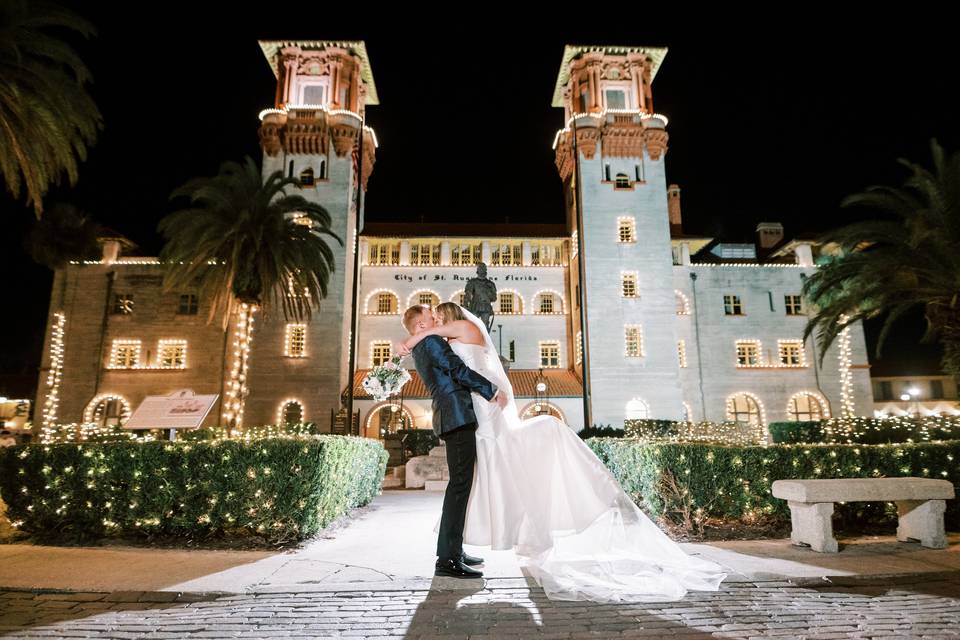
(450, 382)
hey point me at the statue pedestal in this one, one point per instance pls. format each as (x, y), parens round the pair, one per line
(428, 472)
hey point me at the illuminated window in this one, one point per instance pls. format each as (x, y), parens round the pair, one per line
(295, 342)
(633, 341)
(306, 177)
(425, 253)
(108, 412)
(172, 354)
(748, 353)
(683, 303)
(793, 304)
(545, 254)
(732, 306)
(506, 254)
(384, 253)
(188, 304)
(743, 408)
(122, 303)
(805, 406)
(379, 352)
(465, 254)
(428, 298)
(623, 181)
(125, 354)
(386, 302)
(791, 352)
(292, 413)
(550, 355)
(547, 303)
(629, 284)
(626, 229)
(510, 303)
(682, 353)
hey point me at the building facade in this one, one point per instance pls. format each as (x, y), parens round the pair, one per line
(662, 324)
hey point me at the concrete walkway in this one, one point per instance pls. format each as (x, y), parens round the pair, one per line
(390, 545)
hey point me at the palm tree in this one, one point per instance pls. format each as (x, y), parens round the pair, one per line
(245, 243)
(47, 119)
(64, 233)
(907, 259)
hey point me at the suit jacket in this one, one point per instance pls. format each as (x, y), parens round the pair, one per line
(450, 382)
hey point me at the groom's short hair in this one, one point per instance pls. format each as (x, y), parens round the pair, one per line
(411, 315)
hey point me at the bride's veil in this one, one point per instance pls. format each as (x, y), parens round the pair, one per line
(494, 365)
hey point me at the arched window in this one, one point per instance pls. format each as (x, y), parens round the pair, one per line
(541, 408)
(290, 170)
(510, 303)
(623, 181)
(387, 418)
(306, 177)
(683, 303)
(806, 405)
(637, 409)
(458, 297)
(745, 407)
(424, 297)
(291, 412)
(107, 410)
(322, 174)
(548, 302)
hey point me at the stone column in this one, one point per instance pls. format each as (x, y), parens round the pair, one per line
(445, 253)
(485, 252)
(525, 255)
(404, 253)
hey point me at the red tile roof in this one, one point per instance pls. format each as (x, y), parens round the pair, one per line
(560, 383)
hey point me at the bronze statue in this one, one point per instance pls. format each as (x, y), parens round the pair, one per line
(479, 296)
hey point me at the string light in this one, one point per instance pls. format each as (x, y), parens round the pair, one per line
(518, 302)
(237, 390)
(415, 297)
(811, 396)
(626, 229)
(847, 407)
(683, 303)
(603, 114)
(745, 395)
(281, 411)
(52, 402)
(319, 107)
(557, 297)
(682, 353)
(394, 303)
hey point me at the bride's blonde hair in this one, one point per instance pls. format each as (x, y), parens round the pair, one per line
(449, 311)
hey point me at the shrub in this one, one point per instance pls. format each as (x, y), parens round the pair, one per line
(734, 482)
(600, 431)
(417, 442)
(279, 489)
(739, 433)
(868, 430)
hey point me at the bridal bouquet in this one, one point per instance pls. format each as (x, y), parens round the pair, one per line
(386, 379)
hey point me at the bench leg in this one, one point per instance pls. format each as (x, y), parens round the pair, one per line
(812, 525)
(922, 520)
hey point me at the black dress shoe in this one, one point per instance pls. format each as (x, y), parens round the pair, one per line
(466, 558)
(452, 568)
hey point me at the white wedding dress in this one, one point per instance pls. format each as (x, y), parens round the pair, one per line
(538, 489)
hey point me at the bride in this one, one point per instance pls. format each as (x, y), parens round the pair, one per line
(541, 491)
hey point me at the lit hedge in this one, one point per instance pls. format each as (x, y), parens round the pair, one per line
(868, 430)
(279, 489)
(734, 483)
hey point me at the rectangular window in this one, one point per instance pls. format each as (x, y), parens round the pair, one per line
(550, 355)
(513, 350)
(886, 390)
(506, 303)
(545, 255)
(748, 353)
(615, 98)
(629, 285)
(633, 341)
(125, 354)
(425, 253)
(732, 306)
(936, 389)
(793, 305)
(295, 342)
(384, 253)
(188, 304)
(123, 303)
(313, 94)
(682, 353)
(428, 298)
(546, 303)
(379, 352)
(626, 229)
(506, 254)
(465, 254)
(791, 353)
(172, 354)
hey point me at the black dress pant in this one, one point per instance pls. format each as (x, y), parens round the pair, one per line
(461, 460)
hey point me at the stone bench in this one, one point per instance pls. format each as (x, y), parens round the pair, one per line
(920, 506)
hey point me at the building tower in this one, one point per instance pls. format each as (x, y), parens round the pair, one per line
(311, 133)
(630, 306)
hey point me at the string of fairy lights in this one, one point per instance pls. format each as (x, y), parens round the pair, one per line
(844, 355)
(52, 402)
(236, 390)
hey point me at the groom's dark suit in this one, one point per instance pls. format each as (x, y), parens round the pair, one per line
(450, 382)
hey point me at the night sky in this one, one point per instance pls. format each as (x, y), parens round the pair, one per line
(772, 118)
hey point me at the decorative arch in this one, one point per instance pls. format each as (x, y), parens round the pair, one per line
(530, 410)
(371, 427)
(747, 405)
(457, 297)
(106, 407)
(415, 297)
(637, 409)
(561, 307)
(807, 405)
(290, 404)
(374, 297)
(683, 303)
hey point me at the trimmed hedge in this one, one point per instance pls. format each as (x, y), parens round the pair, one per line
(683, 482)
(867, 430)
(279, 489)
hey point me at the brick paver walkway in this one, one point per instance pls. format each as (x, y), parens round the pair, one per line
(919, 606)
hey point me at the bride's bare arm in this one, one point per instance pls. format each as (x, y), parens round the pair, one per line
(457, 329)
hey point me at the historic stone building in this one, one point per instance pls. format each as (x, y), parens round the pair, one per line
(677, 326)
